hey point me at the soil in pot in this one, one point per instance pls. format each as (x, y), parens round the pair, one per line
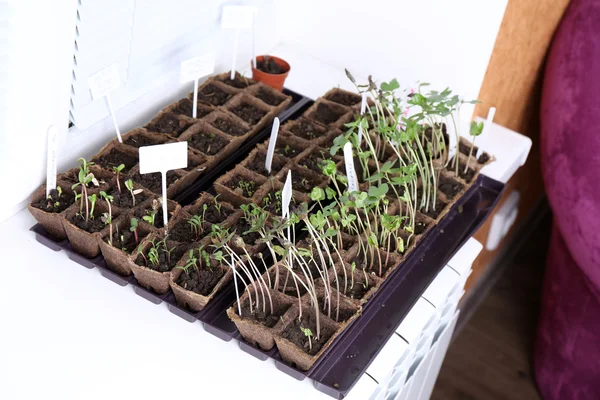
(212, 94)
(421, 224)
(344, 98)
(326, 114)
(303, 183)
(241, 227)
(212, 214)
(294, 333)
(201, 281)
(114, 158)
(124, 199)
(207, 143)
(183, 232)
(269, 66)
(242, 186)
(257, 164)
(286, 282)
(269, 97)
(307, 129)
(272, 202)
(345, 312)
(138, 141)
(125, 240)
(266, 317)
(449, 186)
(468, 176)
(431, 212)
(466, 150)
(153, 181)
(186, 107)
(287, 150)
(92, 225)
(247, 112)
(354, 289)
(166, 261)
(169, 123)
(140, 213)
(315, 160)
(373, 267)
(239, 82)
(229, 127)
(193, 163)
(56, 204)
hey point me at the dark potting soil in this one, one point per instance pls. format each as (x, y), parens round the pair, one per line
(184, 233)
(125, 240)
(229, 127)
(140, 140)
(93, 225)
(114, 158)
(345, 312)
(357, 290)
(315, 160)
(212, 94)
(153, 181)
(170, 124)
(307, 129)
(269, 97)
(147, 211)
(294, 334)
(303, 183)
(248, 113)
(450, 187)
(242, 186)
(194, 163)
(272, 203)
(266, 317)
(269, 66)
(166, 262)
(56, 204)
(123, 199)
(326, 114)
(468, 176)
(346, 99)
(421, 224)
(286, 283)
(207, 143)
(466, 149)
(360, 263)
(241, 227)
(201, 281)
(286, 150)
(238, 82)
(429, 211)
(186, 106)
(212, 214)
(257, 164)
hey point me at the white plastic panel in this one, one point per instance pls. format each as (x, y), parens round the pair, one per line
(387, 358)
(464, 257)
(364, 388)
(415, 321)
(444, 283)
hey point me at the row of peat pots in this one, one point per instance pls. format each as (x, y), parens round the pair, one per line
(293, 284)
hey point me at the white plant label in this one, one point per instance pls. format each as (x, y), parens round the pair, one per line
(101, 84)
(451, 137)
(193, 70)
(272, 141)
(363, 103)
(286, 195)
(360, 134)
(51, 160)
(163, 158)
(487, 125)
(350, 172)
(237, 17)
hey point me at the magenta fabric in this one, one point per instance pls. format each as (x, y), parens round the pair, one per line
(568, 343)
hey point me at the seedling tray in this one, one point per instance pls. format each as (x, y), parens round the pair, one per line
(349, 356)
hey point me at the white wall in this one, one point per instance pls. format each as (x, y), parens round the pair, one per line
(447, 43)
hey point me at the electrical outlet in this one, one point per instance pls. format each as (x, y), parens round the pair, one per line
(503, 220)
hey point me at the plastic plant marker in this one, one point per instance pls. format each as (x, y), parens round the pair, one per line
(452, 137)
(363, 103)
(360, 134)
(272, 141)
(238, 18)
(286, 198)
(194, 69)
(487, 125)
(163, 158)
(350, 172)
(51, 160)
(101, 84)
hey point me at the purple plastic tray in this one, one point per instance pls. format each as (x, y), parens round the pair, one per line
(353, 351)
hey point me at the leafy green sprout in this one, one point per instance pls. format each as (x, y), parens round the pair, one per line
(475, 130)
(107, 217)
(308, 333)
(93, 199)
(117, 171)
(196, 223)
(133, 225)
(129, 186)
(218, 205)
(150, 216)
(85, 177)
(247, 187)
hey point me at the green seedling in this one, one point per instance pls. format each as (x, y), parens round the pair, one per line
(107, 217)
(308, 333)
(475, 130)
(129, 186)
(117, 171)
(133, 225)
(93, 200)
(85, 177)
(197, 225)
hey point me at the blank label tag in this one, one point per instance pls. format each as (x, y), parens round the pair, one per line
(163, 157)
(363, 103)
(51, 165)
(272, 142)
(237, 17)
(286, 195)
(197, 67)
(104, 81)
(350, 172)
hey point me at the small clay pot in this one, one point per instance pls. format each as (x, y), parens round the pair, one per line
(276, 81)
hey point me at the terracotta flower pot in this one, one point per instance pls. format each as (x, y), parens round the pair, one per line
(274, 80)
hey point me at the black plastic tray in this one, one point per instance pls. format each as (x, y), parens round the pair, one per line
(336, 372)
